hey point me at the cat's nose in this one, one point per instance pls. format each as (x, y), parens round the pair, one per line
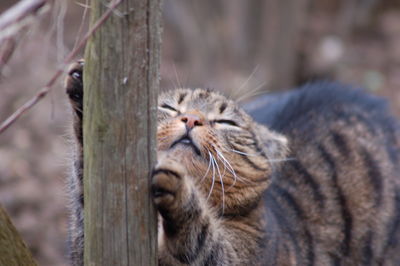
(192, 120)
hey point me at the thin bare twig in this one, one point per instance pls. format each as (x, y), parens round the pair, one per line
(6, 51)
(43, 92)
(15, 20)
(19, 11)
(19, 16)
(85, 9)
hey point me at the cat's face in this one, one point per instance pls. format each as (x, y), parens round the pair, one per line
(217, 142)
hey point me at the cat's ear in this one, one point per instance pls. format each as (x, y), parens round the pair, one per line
(274, 145)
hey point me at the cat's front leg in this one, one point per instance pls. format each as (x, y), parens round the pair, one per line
(74, 89)
(172, 190)
(191, 234)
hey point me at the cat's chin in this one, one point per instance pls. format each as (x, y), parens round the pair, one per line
(185, 151)
(186, 144)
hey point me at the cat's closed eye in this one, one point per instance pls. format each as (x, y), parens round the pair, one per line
(226, 122)
(169, 107)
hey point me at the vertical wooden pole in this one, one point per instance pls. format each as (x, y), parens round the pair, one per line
(121, 80)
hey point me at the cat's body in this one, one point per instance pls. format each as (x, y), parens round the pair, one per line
(337, 201)
(324, 190)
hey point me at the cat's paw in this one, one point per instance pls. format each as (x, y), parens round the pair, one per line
(74, 84)
(168, 185)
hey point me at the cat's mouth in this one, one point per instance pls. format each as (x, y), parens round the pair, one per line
(187, 141)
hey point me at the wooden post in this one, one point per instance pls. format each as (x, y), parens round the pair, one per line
(13, 251)
(121, 80)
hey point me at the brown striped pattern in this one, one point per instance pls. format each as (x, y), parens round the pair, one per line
(230, 191)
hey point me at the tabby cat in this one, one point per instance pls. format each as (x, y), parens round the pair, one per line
(311, 179)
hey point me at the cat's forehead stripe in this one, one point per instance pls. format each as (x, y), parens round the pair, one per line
(182, 96)
(197, 98)
(222, 107)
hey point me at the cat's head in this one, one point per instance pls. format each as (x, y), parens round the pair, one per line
(220, 145)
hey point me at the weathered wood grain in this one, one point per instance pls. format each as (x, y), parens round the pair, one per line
(121, 86)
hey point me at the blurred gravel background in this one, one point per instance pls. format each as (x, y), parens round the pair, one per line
(241, 47)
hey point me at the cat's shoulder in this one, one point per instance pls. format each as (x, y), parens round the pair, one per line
(317, 99)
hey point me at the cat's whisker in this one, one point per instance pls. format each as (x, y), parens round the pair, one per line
(177, 77)
(209, 166)
(230, 168)
(258, 154)
(78, 109)
(244, 180)
(244, 153)
(238, 90)
(172, 82)
(223, 161)
(213, 176)
(222, 184)
(252, 93)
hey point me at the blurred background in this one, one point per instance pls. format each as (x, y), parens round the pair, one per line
(243, 48)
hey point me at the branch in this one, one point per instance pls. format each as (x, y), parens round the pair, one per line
(43, 92)
(6, 51)
(19, 11)
(15, 20)
(19, 16)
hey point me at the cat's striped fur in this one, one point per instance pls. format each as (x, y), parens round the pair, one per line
(317, 184)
